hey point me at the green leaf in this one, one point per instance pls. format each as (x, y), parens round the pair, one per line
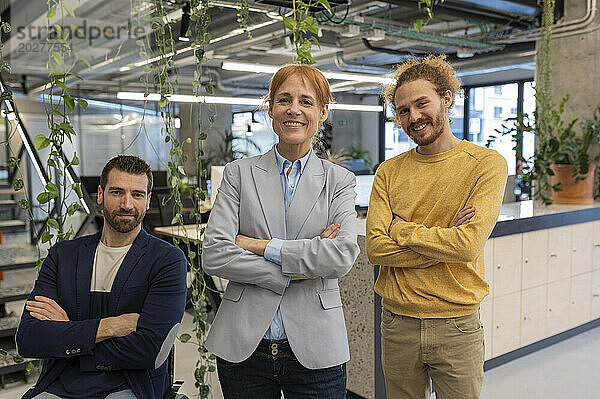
(69, 10)
(82, 102)
(46, 237)
(59, 59)
(13, 162)
(74, 207)
(56, 113)
(18, 184)
(84, 60)
(51, 188)
(69, 102)
(290, 23)
(75, 160)
(53, 223)
(51, 12)
(58, 29)
(185, 337)
(23, 204)
(40, 142)
(61, 85)
(77, 188)
(6, 95)
(29, 367)
(180, 169)
(325, 4)
(418, 25)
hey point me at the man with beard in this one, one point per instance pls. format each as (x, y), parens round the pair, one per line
(105, 309)
(431, 211)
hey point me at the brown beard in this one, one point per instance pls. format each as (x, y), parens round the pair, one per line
(123, 226)
(437, 126)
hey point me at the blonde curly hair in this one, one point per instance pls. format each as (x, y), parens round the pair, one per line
(434, 69)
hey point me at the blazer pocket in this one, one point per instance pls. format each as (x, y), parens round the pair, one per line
(233, 291)
(330, 298)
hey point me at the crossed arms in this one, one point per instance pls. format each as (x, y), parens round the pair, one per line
(126, 341)
(395, 242)
(241, 259)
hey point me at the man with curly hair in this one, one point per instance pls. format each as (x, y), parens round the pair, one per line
(431, 211)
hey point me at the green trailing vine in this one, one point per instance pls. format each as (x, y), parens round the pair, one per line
(179, 184)
(427, 6)
(243, 16)
(58, 105)
(304, 28)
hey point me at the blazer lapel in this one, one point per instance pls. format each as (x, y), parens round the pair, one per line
(309, 187)
(268, 187)
(131, 260)
(83, 275)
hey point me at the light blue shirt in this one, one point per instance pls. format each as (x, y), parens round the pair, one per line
(289, 182)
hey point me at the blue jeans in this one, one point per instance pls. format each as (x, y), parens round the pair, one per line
(126, 394)
(273, 368)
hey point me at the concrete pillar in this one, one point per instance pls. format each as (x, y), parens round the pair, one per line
(576, 65)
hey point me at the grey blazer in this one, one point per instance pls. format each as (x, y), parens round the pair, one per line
(250, 202)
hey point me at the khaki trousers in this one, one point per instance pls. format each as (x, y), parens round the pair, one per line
(449, 351)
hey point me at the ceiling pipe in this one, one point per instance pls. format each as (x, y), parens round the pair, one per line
(470, 13)
(350, 67)
(564, 29)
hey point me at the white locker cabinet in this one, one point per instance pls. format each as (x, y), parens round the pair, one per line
(533, 315)
(582, 248)
(507, 264)
(559, 253)
(506, 320)
(535, 259)
(580, 300)
(557, 315)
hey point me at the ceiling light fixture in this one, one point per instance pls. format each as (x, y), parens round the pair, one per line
(183, 98)
(270, 69)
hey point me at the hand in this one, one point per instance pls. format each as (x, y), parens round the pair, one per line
(395, 220)
(464, 216)
(254, 245)
(331, 231)
(43, 308)
(117, 326)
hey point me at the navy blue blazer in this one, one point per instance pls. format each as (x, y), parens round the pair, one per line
(151, 281)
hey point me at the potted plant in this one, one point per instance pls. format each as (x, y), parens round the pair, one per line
(562, 167)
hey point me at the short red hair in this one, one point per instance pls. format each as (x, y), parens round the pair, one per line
(309, 74)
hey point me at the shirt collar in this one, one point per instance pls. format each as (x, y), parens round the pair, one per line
(281, 161)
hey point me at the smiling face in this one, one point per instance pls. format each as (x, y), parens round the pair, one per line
(296, 114)
(125, 200)
(422, 112)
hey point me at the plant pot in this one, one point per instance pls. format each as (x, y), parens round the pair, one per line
(581, 192)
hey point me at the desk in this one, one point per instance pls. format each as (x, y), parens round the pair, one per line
(193, 232)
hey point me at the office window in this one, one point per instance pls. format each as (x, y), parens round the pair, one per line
(486, 116)
(498, 112)
(253, 132)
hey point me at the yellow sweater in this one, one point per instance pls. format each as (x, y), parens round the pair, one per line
(428, 269)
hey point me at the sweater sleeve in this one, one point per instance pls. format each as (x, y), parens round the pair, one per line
(381, 248)
(463, 243)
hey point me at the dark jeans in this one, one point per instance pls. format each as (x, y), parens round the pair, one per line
(273, 368)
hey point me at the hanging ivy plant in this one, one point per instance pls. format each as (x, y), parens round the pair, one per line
(164, 80)
(58, 105)
(427, 6)
(243, 16)
(304, 29)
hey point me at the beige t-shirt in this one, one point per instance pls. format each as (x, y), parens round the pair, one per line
(107, 262)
